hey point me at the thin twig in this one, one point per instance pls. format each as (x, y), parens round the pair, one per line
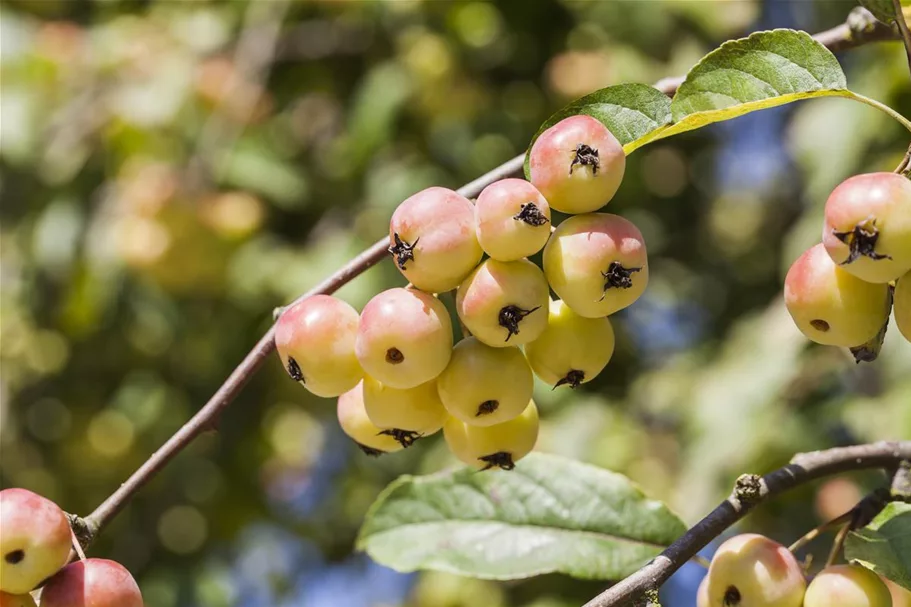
(903, 28)
(76, 545)
(815, 533)
(862, 513)
(905, 164)
(837, 545)
(841, 37)
(804, 468)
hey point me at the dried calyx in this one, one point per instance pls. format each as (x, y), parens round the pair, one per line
(510, 316)
(487, 407)
(394, 356)
(402, 250)
(732, 597)
(531, 214)
(618, 277)
(501, 459)
(294, 370)
(405, 438)
(573, 379)
(861, 241)
(369, 450)
(585, 155)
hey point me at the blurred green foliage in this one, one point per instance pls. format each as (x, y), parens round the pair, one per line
(172, 171)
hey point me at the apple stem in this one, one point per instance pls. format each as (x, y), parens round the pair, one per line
(76, 545)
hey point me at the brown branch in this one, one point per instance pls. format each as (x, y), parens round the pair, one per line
(749, 492)
(903, 28)
(841, 37)
(860, 28)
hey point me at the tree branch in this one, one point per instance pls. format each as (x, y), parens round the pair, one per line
(844, 36)
(903, 28)
(750, 491)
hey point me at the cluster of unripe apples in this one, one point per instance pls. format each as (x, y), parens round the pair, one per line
(751, 570)
(394, 368)
(839, 292)
(35, 544)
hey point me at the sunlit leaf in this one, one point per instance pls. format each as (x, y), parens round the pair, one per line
(764, 70)
(550, 514)
(885, 544)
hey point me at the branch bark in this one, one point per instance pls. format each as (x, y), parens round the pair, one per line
(750, 491)
(903, 28)
(855, 32)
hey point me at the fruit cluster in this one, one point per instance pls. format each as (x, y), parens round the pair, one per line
(751, 570)
(839, 292)
(35, 547)
(394, 368)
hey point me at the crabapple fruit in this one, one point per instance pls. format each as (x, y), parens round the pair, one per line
(702, 594)
(16, 600)
(577, 165)
(500, 445)
(751, 570)
(572, 349)
(596, 263)
(901, 305)
(352, 417)
(900, 596)
(512, 219)
(829, 305)
(433, 240)
(92, 583)
(315, 340)
(504, 303)
(405, 414)
(34, 540)
(484, 386)
(847, 586)
(404, 338)
(868, 226)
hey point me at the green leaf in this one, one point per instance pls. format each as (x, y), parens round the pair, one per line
(549, 514)
(883, 10)
(885, 544)
(629, 111)
(764, 70)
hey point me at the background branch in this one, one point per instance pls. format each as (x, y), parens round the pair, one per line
(903, 28)
(748, 493)
(860, 29)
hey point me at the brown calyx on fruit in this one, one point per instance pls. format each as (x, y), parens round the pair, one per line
(500, 459)
(819, 324)
(402, 250)
(294, 370)
(487, 407)
(405, 438)
(585, 155)
(510, 316)
(369, 451)
(869, 351)
(14, 557)
(573, 379)
(394, 356)
(861, 241)
(731, 597)
(531, 215)
(618, 277)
